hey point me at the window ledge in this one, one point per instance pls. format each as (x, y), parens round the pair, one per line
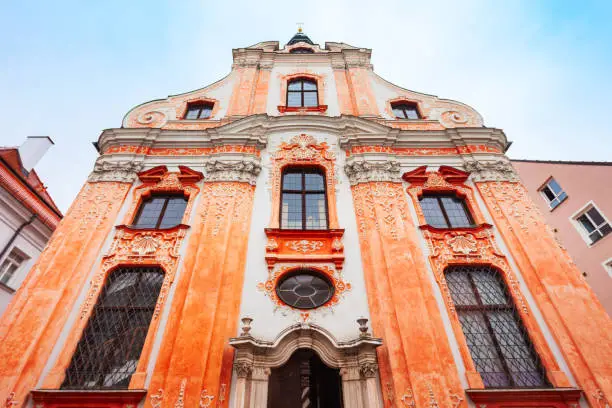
(287, 109)
(132, 228)
(521, 397)
(472, 228)
(81, 398)
(293, 245)
(6, 288)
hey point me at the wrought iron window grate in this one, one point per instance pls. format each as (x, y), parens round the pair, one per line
(498, 342)
(108, 352)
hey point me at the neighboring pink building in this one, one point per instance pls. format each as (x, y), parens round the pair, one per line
(576, 199)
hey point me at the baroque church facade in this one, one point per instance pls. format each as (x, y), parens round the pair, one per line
(304, 233)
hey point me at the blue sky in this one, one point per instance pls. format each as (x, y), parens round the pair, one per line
(540, 70)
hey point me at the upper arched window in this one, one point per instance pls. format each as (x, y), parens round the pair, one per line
(108, 352)
(304, 199)
(199, 110)
(446, 211)
(301, 50)
(302, 92)
(498, 342)
(405, 110)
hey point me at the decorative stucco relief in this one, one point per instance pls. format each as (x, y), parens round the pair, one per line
(107, 169)
(363, 171)
(229, 170)
(219, 197)
(334, 276)
(491, 170)
(383, 205)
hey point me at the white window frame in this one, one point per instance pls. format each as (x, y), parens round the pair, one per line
(19, 268)
(607, 264)
(581, 230)
(556, 199)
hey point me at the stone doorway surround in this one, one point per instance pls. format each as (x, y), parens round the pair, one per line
(355, 358)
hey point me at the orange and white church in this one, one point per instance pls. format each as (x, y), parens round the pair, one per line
(304, 233)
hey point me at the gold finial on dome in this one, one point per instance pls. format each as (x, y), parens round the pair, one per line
(300, 27)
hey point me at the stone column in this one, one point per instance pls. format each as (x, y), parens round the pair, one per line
(352, 390)
(369, 370)
(31, 325)
(243, 370)
(259, 387)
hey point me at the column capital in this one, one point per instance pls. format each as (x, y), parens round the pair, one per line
(491, 170)
(363, 171)
(244, 170)
(107, 169)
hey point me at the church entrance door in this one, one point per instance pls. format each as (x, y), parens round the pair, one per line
(304, 382)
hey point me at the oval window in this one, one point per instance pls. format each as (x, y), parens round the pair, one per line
(305, 289)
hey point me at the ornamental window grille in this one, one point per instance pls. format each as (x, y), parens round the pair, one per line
(405, 110)
(446, 211)
(497, 339)
(302, 93)
(304, 199)
(161, 212)
(109, 349)
(199, 111)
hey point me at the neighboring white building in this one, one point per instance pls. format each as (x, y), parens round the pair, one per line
(28, 215)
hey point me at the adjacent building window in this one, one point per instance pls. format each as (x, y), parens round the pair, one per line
(11, 264)
(161, 211)
(108, 352)
(302, 92)
(497, 340)
(199, 110)
(304, 199)
(553, 193)
(592, 225)
(446, 211)
(405, 110)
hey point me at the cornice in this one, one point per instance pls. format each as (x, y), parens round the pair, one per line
(352, 131)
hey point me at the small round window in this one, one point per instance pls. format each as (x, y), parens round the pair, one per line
(305, 289)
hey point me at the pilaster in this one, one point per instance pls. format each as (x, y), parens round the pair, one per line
(194, 350)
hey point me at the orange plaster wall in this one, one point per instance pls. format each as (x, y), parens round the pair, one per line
(577, 320)
(362, 90)
(240, 100)
(195, 357)
(346, 100)
(38, 312)
(260, 98)
(416, 364)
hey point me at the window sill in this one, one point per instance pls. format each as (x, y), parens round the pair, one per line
(6, 288)
(132, 228)
(472, 228)
(592, 244)
(532, 397)
(82, 398)
(292, 245)
(302, 109)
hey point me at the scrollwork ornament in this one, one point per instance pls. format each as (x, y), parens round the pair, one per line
(305, 246)
(228, 170)
(243, 369)
(205, 399)
(491, 170)
(363, 171)
(11, 401)
(157, 399)
(368, 369)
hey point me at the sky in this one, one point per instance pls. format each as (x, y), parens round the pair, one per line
(539, 70)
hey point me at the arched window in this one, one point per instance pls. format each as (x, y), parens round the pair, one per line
(498, 341)
(302, 92)
(446, 211)
(108, 352)
(301, 50)
(304, 199)
(405, 110)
